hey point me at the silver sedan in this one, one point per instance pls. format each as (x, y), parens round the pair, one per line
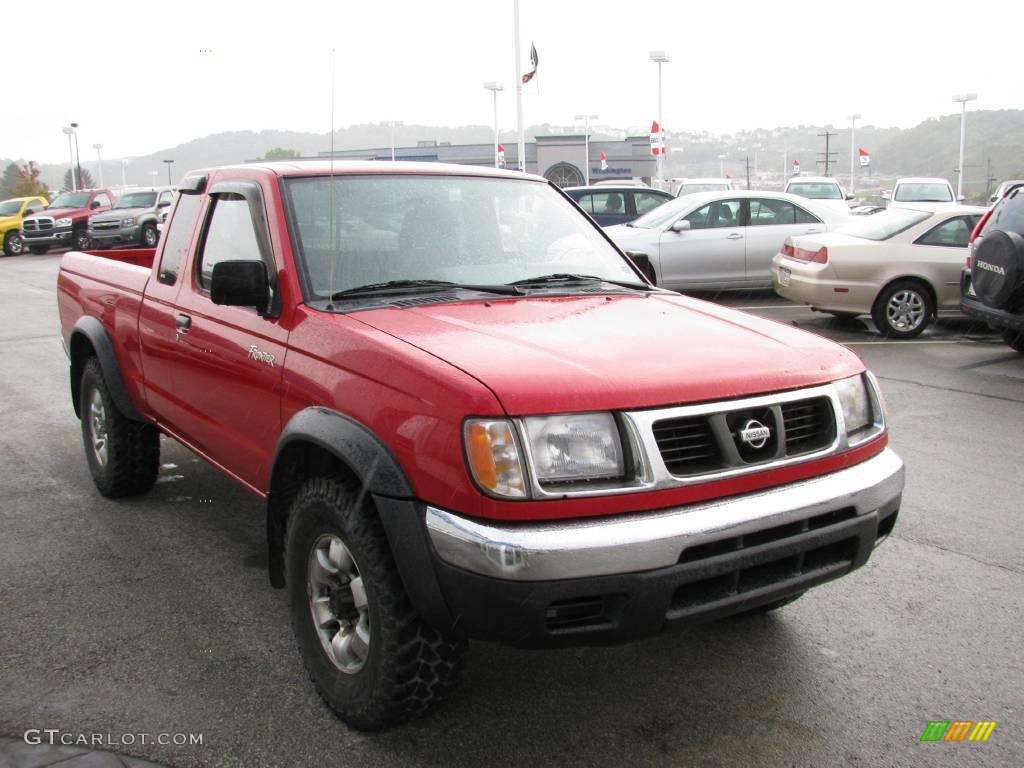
(722, 239)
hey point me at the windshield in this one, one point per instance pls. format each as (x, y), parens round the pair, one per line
(884, 224)
(663, 214)
(822, 191)
(354, 231)
(71, 200)
(915, 192)
(137, 200)
(10, 207)
(692, 189)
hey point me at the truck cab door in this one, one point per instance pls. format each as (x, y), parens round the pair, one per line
(228, 378)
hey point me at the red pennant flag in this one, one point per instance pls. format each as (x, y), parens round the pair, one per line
(501, 155)
(657, 139)
(865, 158)
(604, 162)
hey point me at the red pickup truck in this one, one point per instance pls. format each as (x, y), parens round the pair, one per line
(65, 222)
(471, 417)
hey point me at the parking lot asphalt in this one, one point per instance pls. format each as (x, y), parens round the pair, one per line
(154, 615)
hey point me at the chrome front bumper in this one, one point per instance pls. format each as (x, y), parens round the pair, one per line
(649, 540)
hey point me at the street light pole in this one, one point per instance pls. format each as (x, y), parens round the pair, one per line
(721, 166)
(68, 130)
(99, 162)
(521, 153)
(853, 146)
(169, 163)
(586, 145)
(962, 98)
(494, 88)
(124, 184)
(660, 57)
(78, 155)
(394, 123)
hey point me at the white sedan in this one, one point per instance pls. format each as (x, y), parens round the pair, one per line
(900, 265)
(723, 239)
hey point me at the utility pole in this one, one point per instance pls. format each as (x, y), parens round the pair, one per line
(748, 171)
(828, 155)
(989, 178)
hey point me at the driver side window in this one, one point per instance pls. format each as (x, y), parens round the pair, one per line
(716, 215)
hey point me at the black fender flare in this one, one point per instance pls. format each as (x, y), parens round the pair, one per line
(343, 438)
(88, 333)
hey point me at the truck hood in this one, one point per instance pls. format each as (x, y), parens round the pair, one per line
(59, 213)
(117, 215)
(580, 353)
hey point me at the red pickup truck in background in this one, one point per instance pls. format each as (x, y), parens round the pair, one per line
(66, 222)
(470, 417)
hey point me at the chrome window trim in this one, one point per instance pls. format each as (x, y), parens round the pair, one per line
(651, 474)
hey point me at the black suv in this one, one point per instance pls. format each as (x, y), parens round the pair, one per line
(992, 283)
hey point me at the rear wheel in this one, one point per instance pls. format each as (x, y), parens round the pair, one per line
(123, 455)
(1015, 339)
(13, 244)
(372, 659)
(903, 310)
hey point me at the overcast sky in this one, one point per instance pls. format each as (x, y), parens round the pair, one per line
(136, 78)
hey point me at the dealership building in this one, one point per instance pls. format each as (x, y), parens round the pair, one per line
(563, 159)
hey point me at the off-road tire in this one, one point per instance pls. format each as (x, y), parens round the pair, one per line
(921, 297)
(132, 447)
(39, 250)
(1015, 339)
(13, 244)
(410, 666)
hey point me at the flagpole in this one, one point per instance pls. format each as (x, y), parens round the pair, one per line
(521, 154)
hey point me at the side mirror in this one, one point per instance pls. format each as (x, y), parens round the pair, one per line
(163, 204)
(680, 226)
(240, 284)
(851, 196)
(961, 198)
(94, 204)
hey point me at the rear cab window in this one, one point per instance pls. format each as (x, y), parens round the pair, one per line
(178, 236)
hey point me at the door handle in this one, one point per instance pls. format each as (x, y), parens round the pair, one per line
(183, 323)
(734, 236)
(811, 231)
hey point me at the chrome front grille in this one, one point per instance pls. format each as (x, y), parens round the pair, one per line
(38, 224)
(100, 226)
(687, 445)
(809, 425)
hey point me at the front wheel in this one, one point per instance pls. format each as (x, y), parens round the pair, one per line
(13, 244)
(123, 455)
(903, 310)
(81, 240)
(1015, 339)
(371, 657)
(149, 236)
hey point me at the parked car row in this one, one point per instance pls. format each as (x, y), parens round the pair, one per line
(82, 219)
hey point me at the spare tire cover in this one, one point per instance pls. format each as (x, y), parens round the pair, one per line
(998, 271)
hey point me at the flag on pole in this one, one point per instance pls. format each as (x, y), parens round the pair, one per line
(533, 63)
(604, 162)
(796, 167)
(865, 158)
(501, 155)
(657, 139)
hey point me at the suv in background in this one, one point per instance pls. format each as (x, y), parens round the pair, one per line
(65, 222)
(824, 189)
(682, 187)
(608, 205)
(1004, 189)
(11, 214)
(922, 193)
(992, 282)
(133, 220)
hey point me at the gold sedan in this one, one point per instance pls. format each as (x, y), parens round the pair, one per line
(901, 266)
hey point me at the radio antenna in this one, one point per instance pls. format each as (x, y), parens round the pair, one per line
(331, 251)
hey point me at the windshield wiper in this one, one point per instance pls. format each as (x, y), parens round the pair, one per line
(568, 277)
(411, 286)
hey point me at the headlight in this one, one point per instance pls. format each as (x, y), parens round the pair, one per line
(127, 222)
(579, 446)
(856, 403)
(494, 457)
(66, 222)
